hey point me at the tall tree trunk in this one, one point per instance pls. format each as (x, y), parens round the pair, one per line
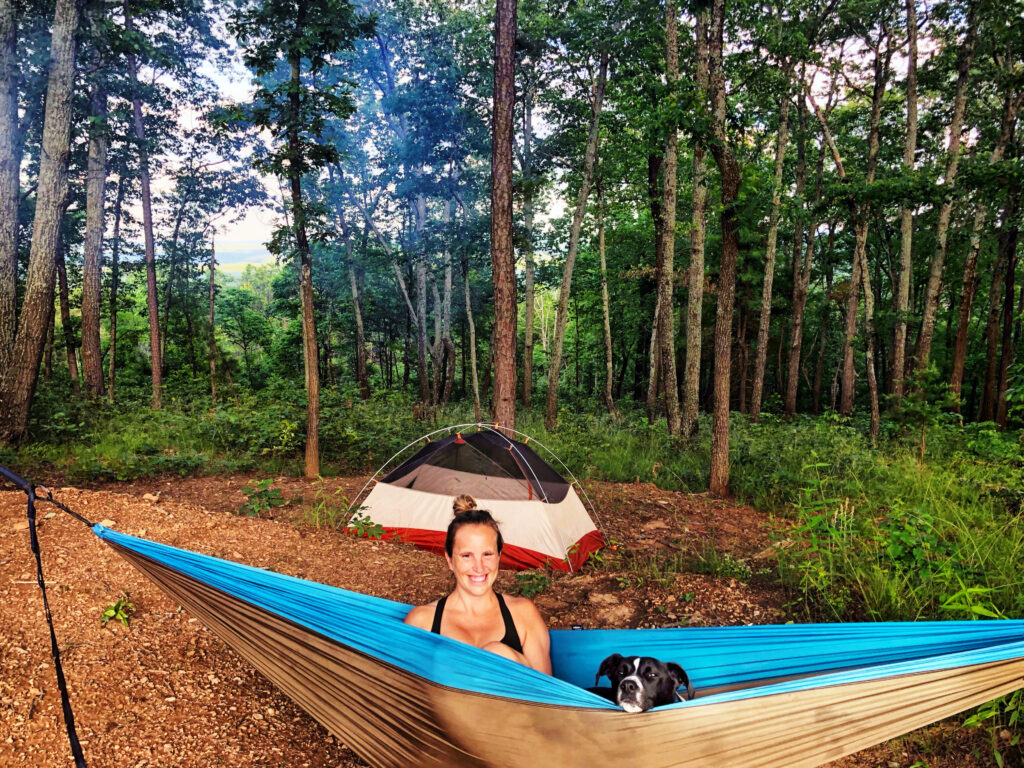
(503, 268)
(10, 178)
(934, 285)
(997, 355)
(654, 198)
(765, 318)
(156, 357)
(362, 375)
(213, 321)
(96, 182)
(51, 319)
(729, 170)
(698, 234)
(970, 285)
(902, 302)
(472, 344)
(528, 214)
(65, 319)
(562, 313)
(669, 178)
(609, 400)
(989, 395)
(825, 318)
(309, 348)
(115, 274)
(19, 380)
(801, 266)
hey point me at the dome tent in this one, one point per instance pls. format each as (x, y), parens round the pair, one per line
(543, 521)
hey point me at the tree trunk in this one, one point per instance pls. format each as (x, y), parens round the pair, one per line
(654, 360)
(698, 234)
(970, 285)
(503, 268)
(10, 178)
(51, 318)
(213, 322)
(902, 302)
(989, 395)
(115, 275)
(472, 346)
(1007, 356)
(309, 348)
(65, 319)
(669, 179)
(765, 318)
(362, 376)
(96, 182)
(934, 285)
(528, 213)
(1000, 313)
(562, 313)
(729, 170)
(19, 380)
(609, 401)
(801, 267)
(156, 357)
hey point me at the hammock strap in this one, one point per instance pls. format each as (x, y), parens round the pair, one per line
(65, 701)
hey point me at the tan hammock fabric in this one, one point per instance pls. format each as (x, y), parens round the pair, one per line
(391, 717)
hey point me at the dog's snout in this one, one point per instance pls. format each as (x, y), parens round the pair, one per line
(629, 686)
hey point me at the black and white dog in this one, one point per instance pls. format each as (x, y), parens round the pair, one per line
(640, 682)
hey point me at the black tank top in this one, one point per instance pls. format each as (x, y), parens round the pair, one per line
(511, 638)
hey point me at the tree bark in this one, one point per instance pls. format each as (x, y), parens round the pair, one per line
(666, 317)
(213, 321)
(970, 285)
(156, 356)
(609, 400)
(698, 236)
(528, 214)
(115, 248)
(19, 380)
(65, 320)
(1000, 313)
(503, 269)
(934, 285)
(10, 178)
(472, 345)
(765, 318)
(902, 299)
(92, 257)
(1007, 356)
(309, 347)
(729, 171)
(562, 313)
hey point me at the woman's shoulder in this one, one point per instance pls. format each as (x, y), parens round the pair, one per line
(422, 616)
(522, 607)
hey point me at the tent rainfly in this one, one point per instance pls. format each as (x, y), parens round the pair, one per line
(543, 521)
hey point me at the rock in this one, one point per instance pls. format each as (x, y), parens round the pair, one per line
(107, 523)
(616, 615)
(154, 497)
(654, 525)
(603, 598)
(21, 525)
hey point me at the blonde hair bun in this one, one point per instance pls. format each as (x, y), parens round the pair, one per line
(463, 504)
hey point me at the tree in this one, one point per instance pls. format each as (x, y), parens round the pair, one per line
(311, 33)
(19, 380)
(502, 256)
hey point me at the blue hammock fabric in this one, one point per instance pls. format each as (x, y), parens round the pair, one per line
(816, 655)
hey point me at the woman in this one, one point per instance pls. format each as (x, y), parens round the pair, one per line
(474, 613)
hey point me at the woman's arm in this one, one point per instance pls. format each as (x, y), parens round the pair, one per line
(421, 616)
(533, 633)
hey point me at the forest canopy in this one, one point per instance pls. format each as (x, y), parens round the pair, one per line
(799, 208)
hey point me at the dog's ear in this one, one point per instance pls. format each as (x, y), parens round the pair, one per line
(679, 675)
(607, 667)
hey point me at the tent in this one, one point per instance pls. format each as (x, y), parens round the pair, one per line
(543, 521)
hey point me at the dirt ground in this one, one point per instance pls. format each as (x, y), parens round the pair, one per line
(166, 692)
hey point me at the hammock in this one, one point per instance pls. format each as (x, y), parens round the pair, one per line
(785, 695)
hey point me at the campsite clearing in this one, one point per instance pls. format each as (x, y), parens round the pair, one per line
(166, 692)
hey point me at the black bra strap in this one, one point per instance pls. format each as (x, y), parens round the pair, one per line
(438, 613)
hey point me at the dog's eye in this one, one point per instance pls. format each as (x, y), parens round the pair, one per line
(624, 669)
(650, 675)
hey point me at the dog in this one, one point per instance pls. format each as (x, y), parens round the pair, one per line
(640, 682)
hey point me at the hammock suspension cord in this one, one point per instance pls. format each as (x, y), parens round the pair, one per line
(65, 701)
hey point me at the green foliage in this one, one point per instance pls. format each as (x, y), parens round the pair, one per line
(532, 583)
(361, 524)
(120, 610)
(262, 498)
(324, 513)
(1001, 718)
(712, 561)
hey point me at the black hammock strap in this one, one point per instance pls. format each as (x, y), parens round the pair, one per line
(65, 702)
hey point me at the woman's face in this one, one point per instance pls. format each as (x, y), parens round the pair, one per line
(474, 558)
